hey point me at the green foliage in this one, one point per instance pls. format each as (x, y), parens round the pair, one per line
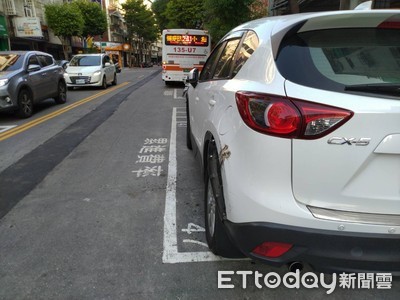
(64, 19)
(217, 16)
(184, 14)
(159, 7)
(95, 19)
(224, 15)
(140, 21)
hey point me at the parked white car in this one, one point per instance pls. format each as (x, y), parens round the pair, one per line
(297, 122)
(90, 70)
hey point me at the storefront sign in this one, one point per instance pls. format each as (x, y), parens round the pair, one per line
(28, 27)
(3, 27)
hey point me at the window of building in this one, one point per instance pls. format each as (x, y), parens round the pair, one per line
(29, 8)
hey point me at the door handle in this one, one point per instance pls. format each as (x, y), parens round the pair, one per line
(212, 102)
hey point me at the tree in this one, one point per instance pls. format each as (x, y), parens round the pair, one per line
(223, 15)
(159, 7)
(185, 14)
(95, 19)
(65, 20)
(140, 22)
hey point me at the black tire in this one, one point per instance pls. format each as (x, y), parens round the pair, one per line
(217, 237)
(115, 79)
(104, 83)
(61, 97)
(25, 104)
(188, 128)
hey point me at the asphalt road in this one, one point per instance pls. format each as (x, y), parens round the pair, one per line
(105, 202)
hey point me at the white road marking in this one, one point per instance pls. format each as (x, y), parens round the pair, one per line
(170, 245)
(168, 93)
(176, 95)
(193, 228)
(5, 128)
(196, 242)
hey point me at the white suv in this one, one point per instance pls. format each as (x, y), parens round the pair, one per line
(90, 70)
(297, 123)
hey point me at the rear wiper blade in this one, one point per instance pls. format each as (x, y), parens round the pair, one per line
(379, 88)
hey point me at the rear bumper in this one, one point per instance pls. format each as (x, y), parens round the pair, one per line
(324, 250)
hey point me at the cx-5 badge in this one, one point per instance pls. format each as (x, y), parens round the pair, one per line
(349, 141)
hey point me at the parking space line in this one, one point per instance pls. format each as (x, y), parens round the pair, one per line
(170, 243)
(176, 95)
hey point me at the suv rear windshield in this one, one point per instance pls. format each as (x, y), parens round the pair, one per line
(360, 59)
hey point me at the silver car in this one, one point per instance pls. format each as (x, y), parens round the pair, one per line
(28, 77)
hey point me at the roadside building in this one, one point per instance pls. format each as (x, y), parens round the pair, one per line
(26, 28)
(282, 7)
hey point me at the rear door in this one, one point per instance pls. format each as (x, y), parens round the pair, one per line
(109, 70)
(37, 79)
(50, 75)
(208, 97)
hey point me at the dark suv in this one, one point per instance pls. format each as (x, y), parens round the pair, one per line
(28, 77)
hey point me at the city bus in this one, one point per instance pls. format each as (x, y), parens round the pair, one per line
(183, 50)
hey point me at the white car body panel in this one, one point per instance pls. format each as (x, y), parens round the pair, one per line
(96, 74)
(349, 177)
(345, 184)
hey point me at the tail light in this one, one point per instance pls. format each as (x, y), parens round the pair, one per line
(289, 118)
(391, 23)
(272, 249)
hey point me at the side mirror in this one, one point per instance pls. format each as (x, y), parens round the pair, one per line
(193, 77)
(33, 68)
(107, 64)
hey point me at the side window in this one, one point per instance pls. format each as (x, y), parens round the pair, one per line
(224, 64)
(106, 59)
(49, 60)
(45, 60)
(249, 45)
(206, 73)
(33, 60)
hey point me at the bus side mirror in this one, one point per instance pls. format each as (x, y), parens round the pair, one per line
(193, 77)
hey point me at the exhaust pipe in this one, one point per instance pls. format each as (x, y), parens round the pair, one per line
(294, 266)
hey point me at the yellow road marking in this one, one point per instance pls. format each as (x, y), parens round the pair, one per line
(9, 133)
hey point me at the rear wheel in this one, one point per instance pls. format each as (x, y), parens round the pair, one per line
(25, 104)
(217, 238)
(61, 97)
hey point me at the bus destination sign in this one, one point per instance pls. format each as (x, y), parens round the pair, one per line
(186, 40)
